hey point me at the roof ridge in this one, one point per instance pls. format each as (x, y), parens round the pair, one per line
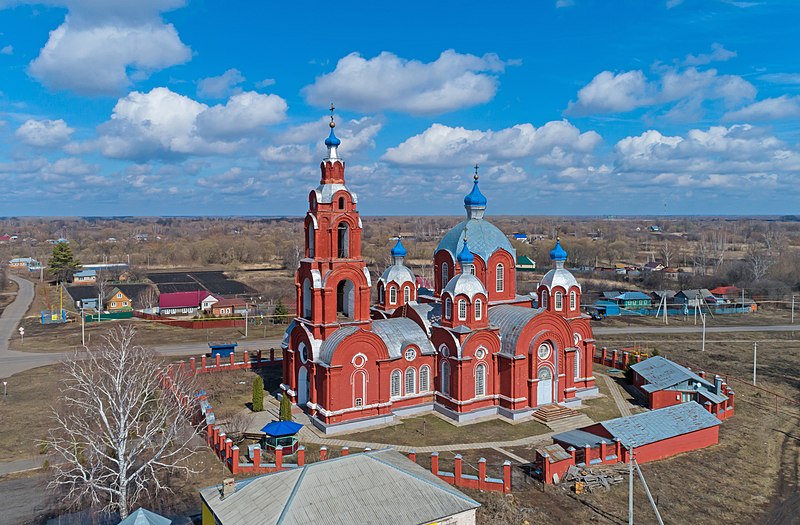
(445, 488)
(292, 495)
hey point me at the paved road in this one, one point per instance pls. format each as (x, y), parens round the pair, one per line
(599, 330)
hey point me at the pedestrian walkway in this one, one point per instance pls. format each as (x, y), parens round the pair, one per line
(623, 406)
(20, 465)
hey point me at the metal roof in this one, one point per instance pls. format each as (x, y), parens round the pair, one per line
(657, 425)
(631, 296)
(511, 320)
(143, 516)
(579, 438)
(381, 486)
(282, 428)
(661, 373)
(466, 284)
(399, 332)
(484, 239)
(559, 277)
(428, 312)
(332, 342)
(325, 192)
(398, 273)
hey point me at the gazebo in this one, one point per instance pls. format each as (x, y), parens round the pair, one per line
(282, 434)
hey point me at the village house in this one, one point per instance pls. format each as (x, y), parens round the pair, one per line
(653, 266)
(24, 263)
(632, 300)
(380, 486)
(85, 297)
(117, 301)
(525, 263)
(209, 301)
(229, 307)
(181, 303)
(697, 298)
(84, 277)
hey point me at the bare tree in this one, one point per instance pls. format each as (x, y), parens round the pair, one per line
(666, 253)
(148, 298)
(118, 434)
(759, 261)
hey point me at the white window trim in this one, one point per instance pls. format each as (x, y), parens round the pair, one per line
(462, 310)
(573, 300)
(480, 369)
(410, 372)
(406, 294)
(478, 309)
(500, 278)
(558, 301)
(425, 371)
(398, 375)
(445, 274)
(392, 295)
(448, 308)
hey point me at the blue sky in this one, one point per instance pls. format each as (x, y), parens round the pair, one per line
(571, 107)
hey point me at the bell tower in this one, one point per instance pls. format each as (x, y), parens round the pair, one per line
(332, 282)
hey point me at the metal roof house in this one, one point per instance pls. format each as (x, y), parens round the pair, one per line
(142, 516)
(666, 383)
(381, 486)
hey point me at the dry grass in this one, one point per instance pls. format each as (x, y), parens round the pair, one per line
(763, 317)
(8, 294)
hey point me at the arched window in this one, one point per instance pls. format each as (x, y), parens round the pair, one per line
(558, 299)
(573, 300)
(392, 295)
(394, 387)
(406, 294)
(448, 308)
(424, 378)
(544, 299)
(381, 291)
(478, 309)
(444, 380)
(310, 240)
(341, 203)
(480, 380)
(500, 278)
(445, 274)
(359, 388)
(462, 310)
(343, 240)
(411, 381)
(307, 299)
(577, 364)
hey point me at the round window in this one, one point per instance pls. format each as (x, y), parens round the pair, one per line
(544, 351)
(410, 354)
(303, 353)
(576, 338)
(480, 353)
(444, 350)
(359, 360)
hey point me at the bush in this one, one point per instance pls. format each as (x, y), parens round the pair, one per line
(286, 408)
(258, 394)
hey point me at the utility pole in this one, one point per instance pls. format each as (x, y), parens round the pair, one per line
(83, 329)
(246, 311)
(793, 309)
(703, 317)
(755, 350)
(630, 486)
(649, 496)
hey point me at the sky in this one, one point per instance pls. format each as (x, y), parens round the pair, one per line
(569, 107)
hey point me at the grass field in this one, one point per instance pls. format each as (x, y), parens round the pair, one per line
(8, 294)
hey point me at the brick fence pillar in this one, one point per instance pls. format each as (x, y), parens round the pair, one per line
(228, 447)
(587, 454)
(218, 360)
(618, 448)
(203, 362)
(481, 473)
(258, 356)
(301, 456)
(272, 354)
(345, 451)
(571, 451)
(412, 455)
(604, 353)
(192, 364)
(614, 355)
(234, 459)
(458, 469)
(507, 477)
(323, 453)
(279, 457)
(256, 457)
(233, 359)
(626, 357)
(246, 359)
(603, 445)
(435, 463)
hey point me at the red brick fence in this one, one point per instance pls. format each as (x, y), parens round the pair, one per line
(217, 364)
(194, 324)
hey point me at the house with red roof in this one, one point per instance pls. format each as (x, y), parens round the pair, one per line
(181, 303)
(229, 307)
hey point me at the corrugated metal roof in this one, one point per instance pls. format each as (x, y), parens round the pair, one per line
(466, 284)
(630, 296)
(555, 452)
(511, 320)
(579, 438)
(484, 239)
(399, 332)
(144, 517)
(332, 342)
(662, 373)
(373, 487)
(399, 274)
(657, 425)
(428, 312)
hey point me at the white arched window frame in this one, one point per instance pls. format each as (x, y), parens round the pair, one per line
(445, 274)
(311, 240)
(307, 298)
(411, 381)
(394, 386)
(577, 363)
(392, 295)
(406, 294)
(544, 299)
(425, 378)
(573, 300)
(462, 310)
(478, 309)
(558, 300)
(381, 292)
(448, 308)
(480, 380)
(500, 278)
(444, 380)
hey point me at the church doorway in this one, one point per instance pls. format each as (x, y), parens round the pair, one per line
(345, 298)
(303, 387)
(544, 389)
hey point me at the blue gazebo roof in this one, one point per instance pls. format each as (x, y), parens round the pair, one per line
(282, 428)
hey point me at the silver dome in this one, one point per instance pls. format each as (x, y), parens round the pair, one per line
(559, 277)
(466, 284)
(399, 274)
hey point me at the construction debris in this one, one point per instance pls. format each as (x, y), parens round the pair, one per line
(582, 479)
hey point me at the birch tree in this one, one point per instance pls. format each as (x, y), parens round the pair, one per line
(118, 435)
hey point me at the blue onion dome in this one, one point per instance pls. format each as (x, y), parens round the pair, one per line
(558, 253)
(332, 140)
(399, 250)
(465, 256)
(475, 197)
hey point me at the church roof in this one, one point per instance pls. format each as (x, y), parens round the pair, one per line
(325, 192)
(484, 239)
(475, 197)
(399, 332)
(332, 343)
(380, 486)
(465, 283)
(428, 312)
(511, 320)
(559, 277)
(398, 273)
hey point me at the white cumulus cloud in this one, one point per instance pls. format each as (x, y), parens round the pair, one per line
(783, 107)
(718, 54)
(221, 86)
(44, 133)
(101, 46)
(7, 50)
(388, 82)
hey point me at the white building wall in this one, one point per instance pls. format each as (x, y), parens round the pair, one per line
(462, 518)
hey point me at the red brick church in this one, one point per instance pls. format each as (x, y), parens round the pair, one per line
(469, 348)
